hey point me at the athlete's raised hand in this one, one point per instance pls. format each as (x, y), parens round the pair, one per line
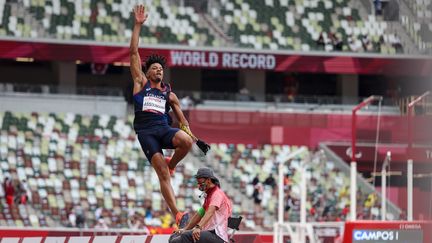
(140, 14)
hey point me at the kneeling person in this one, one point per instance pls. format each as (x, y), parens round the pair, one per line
(210, 223)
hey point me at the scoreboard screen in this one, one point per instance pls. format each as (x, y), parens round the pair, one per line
(387, 235)
(388, 232)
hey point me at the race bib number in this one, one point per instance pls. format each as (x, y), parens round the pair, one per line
(154, 103)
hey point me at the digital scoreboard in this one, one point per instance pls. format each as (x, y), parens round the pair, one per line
(388, 231)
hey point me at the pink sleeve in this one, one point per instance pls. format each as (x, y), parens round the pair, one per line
(216, 200)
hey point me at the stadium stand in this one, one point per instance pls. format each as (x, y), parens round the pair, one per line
(422, 8)
(417, 23)
(108, 21)
(105, 169)
(77, 163)
(252, 171)
(95, 172)
(276, 25)
(303, 26)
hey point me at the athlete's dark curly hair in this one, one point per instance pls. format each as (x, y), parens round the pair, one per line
(154, 58)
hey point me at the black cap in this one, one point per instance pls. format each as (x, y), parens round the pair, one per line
(205, 173)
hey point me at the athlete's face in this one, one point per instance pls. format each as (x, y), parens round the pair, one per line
(155, 72)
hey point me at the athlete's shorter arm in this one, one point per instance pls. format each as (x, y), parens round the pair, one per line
(184, 124)
(175, 105)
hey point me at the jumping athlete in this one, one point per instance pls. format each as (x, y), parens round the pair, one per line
(153, 100)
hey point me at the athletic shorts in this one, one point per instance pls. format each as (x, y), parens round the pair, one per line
(155, 139)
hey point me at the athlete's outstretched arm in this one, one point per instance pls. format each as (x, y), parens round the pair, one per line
(139, 78)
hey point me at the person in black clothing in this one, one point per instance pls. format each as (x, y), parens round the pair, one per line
(270, 181)
(255, 180)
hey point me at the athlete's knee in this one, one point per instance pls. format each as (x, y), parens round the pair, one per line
(188, 142)
(183, 140)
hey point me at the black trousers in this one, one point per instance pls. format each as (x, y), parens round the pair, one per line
(205, 237)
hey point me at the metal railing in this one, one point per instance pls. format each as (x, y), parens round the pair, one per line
(56, 89)
(277, 98)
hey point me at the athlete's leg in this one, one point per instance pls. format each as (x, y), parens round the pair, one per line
(151, 146)
(182, 144)
(153, 152)
(161, 168)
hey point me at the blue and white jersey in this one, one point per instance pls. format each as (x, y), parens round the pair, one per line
(151, 106)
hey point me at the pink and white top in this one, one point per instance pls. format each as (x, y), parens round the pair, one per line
(219, 221)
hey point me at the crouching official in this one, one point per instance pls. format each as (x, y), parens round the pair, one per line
(210, 222)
